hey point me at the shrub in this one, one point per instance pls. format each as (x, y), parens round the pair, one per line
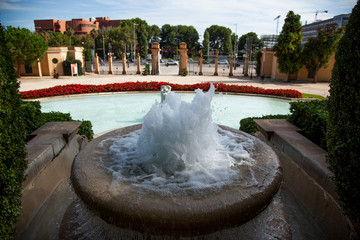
(34, 118)
(184, 72)
(249, 126)
(12, 144)
(344, 118)
(67, 65)
(311, 117)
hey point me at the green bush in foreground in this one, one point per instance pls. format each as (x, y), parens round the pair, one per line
(12, 144)
(311, 117)
(344, 118)
(34, 118)
(249, 126)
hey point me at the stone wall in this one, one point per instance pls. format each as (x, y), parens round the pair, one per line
(307, 174)
(50, 154)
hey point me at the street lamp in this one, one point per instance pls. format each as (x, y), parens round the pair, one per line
(319, 11)
(134, 40)
(103, 48)
(235, 47)
(277, 25)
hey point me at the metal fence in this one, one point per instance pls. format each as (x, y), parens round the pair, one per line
(208, 67)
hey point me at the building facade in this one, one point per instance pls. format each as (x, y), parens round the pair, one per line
(52, 61)
(311, 30)
(80, 26)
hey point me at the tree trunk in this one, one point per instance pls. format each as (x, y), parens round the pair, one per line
(315, 73)
(288, 78)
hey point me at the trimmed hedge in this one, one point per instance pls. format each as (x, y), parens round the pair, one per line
(12, 144)
(311, 117)
(34, 119)
(344, 118)
(67, 65)
(249, 126)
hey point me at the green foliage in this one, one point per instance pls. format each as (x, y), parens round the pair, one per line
(311, 117)
(205, 43)
(344, 118)
(288, 47)
(56, 39)
(67, 65)
(184, 72)
(12, 144)
(249, 126)
(317, 51)
(220, 39)
(24, 46)
(34, 118)
(256, 42)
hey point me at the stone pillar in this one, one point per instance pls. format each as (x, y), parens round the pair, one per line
(124, 64)
(201, 62)
(183, 57)
(246, 73)
(155, 59)
(110, 63)
(138, 63)
(39, 67)
(96, 64)
(216, 64)
(231, 65)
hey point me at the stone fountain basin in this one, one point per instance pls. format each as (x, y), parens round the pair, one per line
(174, 215)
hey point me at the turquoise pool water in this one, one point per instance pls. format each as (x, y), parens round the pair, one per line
(109, 111)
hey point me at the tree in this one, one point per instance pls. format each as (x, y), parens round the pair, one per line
(288, 47)
(317, 51)
(256, 42)
(12, 144)
(343, 132)
(220, 39)
(24, 46)
(206, 43)
(118, 38)
(169, 40)
(69, 32)
(155, 34)
(56, 39)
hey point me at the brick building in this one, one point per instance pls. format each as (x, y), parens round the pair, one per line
(80, 26)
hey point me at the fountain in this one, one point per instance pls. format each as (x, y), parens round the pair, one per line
(178, 175)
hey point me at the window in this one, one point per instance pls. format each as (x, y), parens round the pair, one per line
(28, 68)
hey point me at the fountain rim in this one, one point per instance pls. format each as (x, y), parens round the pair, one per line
(175, 216)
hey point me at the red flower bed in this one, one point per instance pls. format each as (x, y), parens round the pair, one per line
(152, 86)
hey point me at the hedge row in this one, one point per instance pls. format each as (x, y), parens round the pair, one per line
(34, 119)
(310, 116)
(12, 144)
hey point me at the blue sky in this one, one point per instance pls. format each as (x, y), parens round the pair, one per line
(240, 16)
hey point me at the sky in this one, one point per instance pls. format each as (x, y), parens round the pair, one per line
(241, 16)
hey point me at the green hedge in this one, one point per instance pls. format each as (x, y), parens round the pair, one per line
(249, 126)
(344, 118)
(12, 144)
(34, 119)
(67, 66)
(311, 117)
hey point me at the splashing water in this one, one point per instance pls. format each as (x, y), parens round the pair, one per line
(179, 150)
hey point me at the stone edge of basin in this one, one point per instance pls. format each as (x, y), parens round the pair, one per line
(46, 143)
(148, 218)
(310, 157)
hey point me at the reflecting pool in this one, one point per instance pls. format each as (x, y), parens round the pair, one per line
(109, 111)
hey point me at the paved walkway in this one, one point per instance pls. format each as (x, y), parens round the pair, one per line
(31, 83)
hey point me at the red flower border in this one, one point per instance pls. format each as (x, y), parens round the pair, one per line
(153, 86)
